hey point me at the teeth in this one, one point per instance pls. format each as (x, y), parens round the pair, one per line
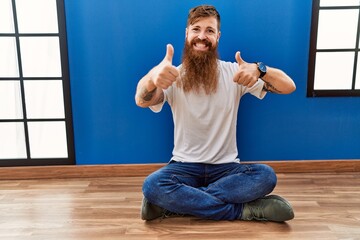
(200, 45)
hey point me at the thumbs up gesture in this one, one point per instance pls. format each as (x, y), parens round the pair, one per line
(247, 74)
(164, 74)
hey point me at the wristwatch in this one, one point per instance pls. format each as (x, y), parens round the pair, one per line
(262, 68)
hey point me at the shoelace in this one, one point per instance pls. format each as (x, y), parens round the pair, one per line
(257, 210)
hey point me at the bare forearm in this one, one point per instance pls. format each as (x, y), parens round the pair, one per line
(149, 90)
(276, 81)
(147, 94)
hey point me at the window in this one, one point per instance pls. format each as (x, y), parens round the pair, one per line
(35, 110)
(334, 64)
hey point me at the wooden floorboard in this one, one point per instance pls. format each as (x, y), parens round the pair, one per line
(327, 206)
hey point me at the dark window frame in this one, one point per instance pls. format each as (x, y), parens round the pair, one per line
(28, 161)
(311, 92)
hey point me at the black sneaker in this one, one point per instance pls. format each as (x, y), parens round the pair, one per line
(150, 211)
(269, 208)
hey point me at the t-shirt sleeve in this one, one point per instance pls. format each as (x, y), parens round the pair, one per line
(257, 89)
(157, 108)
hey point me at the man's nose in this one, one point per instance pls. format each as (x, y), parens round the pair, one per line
(202, 36)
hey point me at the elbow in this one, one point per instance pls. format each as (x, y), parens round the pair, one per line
(290, 89)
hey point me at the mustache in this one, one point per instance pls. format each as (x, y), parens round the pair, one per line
(203, 41)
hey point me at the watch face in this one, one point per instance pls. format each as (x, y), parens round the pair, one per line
(262, 67)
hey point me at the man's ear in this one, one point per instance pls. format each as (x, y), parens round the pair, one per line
(219, 34)
(186, 33)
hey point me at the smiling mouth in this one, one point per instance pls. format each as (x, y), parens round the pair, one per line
(201, 46)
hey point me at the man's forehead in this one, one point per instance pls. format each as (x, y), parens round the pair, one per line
(208, 21)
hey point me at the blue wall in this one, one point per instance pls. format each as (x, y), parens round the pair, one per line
(113, 43)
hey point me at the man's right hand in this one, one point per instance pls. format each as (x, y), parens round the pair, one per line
(164, 74)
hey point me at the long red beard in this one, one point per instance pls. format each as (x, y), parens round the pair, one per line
(199, 69)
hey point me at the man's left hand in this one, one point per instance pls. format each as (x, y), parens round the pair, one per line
(248, 73)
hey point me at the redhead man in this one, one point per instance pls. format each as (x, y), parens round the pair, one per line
(204, 177)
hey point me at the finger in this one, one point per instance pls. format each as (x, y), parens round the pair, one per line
(239, 76)
(236, 77)
(163, 83)
(169, 53)
(166, 84)
(167, 77)
(168, 81)
(241, 81)
(173, 71)
(246, 82)
(238, 58)
(251, 84)
(170, 72)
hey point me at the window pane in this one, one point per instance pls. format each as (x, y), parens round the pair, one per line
(333, 3)
(44, 99)
(10, 100)
(12, 140)
(8, 57)
(37, 16)
(47, 139)
(6, 17)
(333, 70)
(40, 56)
(337, 29)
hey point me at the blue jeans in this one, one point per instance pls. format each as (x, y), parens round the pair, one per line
(210, 191)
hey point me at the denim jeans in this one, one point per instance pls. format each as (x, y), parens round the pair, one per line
(210, 191)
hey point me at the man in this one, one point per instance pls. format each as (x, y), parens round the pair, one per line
(204, 178)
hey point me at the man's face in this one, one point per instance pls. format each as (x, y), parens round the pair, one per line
(203, 34)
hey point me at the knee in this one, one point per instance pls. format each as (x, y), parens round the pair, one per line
(156, 186)
(150, 186)
(269, 176)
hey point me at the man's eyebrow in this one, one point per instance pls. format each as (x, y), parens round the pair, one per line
(198, 26)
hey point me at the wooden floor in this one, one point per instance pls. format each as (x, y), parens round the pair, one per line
(327, 206)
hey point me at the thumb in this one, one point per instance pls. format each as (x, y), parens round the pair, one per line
(169, 53)
(238, 58)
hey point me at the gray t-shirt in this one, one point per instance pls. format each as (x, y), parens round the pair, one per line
(205, 125)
